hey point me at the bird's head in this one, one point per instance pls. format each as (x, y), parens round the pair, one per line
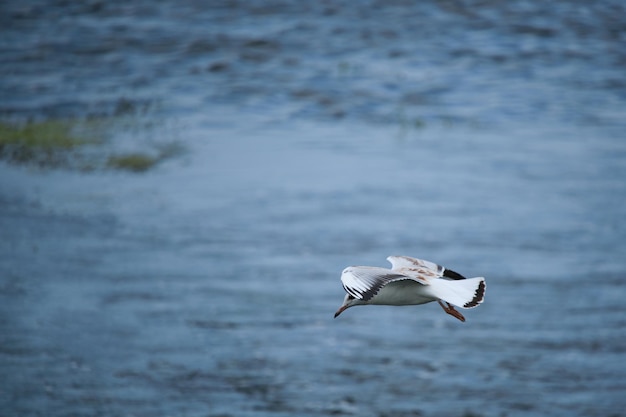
(349, 301)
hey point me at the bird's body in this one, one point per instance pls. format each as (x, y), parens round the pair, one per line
(402, 293)
(410, 281)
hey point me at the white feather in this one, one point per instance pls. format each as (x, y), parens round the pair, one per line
(464, 293)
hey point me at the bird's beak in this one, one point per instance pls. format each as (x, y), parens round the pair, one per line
(343, 307)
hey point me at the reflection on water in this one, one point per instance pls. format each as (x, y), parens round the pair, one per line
(486, 137)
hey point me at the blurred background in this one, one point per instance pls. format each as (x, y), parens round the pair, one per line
(182, 183)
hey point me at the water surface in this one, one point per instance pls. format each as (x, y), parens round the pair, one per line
(487, 137)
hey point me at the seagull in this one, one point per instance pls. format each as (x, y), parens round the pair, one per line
(411, 281)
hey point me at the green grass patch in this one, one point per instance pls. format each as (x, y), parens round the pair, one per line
(141, 162)
(50, 134)
(135, 162)
(47, 144)
(64, 144)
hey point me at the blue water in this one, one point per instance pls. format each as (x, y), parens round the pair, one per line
(488, 137)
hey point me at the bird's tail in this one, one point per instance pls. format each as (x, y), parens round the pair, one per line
(464, 293)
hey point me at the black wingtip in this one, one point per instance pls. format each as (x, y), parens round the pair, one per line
(479, 295)
(448, 273)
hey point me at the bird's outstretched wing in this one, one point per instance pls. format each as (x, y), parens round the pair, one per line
(409, 266)
(364, 282)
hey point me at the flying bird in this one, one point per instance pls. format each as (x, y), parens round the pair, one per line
(410, 281)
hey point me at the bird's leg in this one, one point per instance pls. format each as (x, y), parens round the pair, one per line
(451, 311)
